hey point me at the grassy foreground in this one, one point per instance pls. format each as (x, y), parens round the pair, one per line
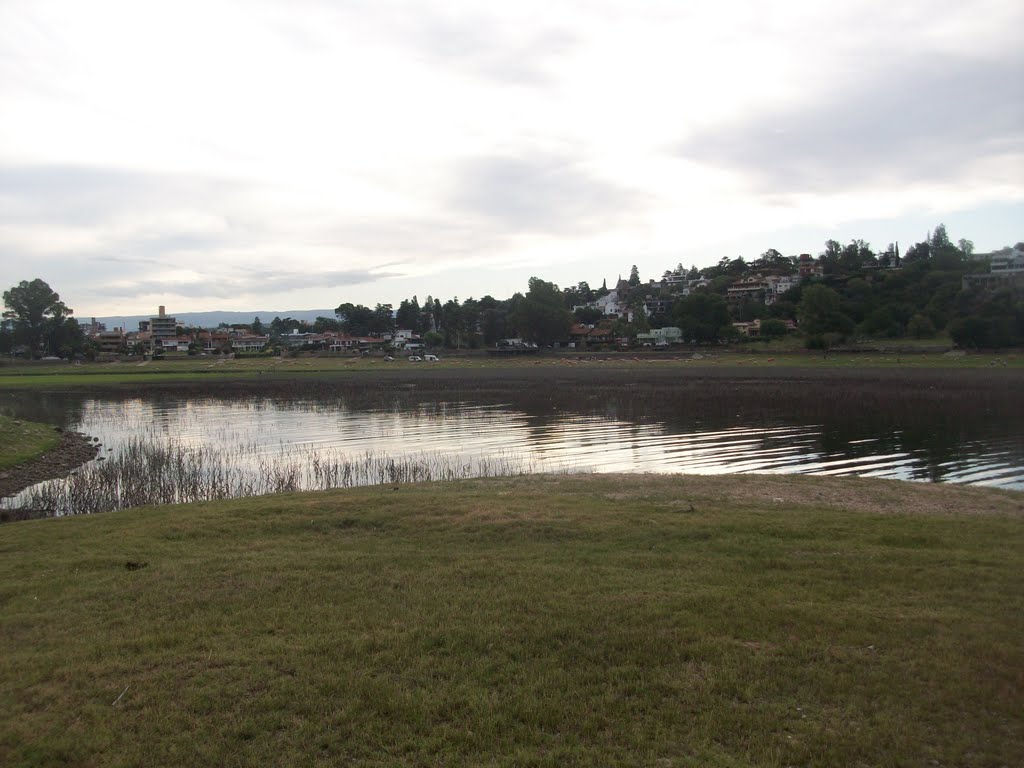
(24, 440)
(539, 621)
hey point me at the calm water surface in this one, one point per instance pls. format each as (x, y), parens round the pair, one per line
(568, 432)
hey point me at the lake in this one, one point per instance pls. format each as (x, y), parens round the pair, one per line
(292, 436)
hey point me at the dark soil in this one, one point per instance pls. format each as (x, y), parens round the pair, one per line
(73, 450)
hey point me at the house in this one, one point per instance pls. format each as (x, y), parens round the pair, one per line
(599, 335)
(660, 337)
(657, 305)
(1006, 267)
(249, 343)
(177, 344)
(689, 286)
(213, 341)
(778, 285)
(109, 342)
(808, 266)
(747, 289)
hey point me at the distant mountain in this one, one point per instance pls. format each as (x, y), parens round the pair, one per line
(213, 319)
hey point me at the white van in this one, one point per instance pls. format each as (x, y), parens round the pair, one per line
(415, 359)
(432, 358)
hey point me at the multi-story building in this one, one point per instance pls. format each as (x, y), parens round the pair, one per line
(162, 327)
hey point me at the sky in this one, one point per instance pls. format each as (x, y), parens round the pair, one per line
(261, 154)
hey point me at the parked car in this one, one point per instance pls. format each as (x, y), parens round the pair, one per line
(432, 358)
(415, 359)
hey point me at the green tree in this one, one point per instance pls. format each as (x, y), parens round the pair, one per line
(257, 327)
(819, 313)
(39, 316)
(540, 315)
(382, 320)
(773, 329)
(409, 315)
(588, 315)
(703, 317)
(493, 320)
(920, 327)
(634, 276)
(356, 320)
(831, 256)
(325, 324)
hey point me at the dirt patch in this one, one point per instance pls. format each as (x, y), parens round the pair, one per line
(73, 450)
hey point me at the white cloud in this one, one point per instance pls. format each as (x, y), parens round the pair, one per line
(466, 146)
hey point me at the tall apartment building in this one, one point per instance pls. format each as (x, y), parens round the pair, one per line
(163, 327)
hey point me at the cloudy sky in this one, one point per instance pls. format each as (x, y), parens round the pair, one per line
(256, 154)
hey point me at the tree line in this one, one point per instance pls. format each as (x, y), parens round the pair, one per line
(859, 294)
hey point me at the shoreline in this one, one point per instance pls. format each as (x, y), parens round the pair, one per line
(73, 450)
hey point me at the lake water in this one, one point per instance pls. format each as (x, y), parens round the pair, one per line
(500, 432)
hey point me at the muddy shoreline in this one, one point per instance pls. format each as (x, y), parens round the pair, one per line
(73, 450)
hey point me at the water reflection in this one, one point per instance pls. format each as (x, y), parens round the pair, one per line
(916, 436)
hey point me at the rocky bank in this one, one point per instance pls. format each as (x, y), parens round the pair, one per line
(74, 450)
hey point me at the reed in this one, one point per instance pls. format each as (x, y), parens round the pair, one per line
(147, 471)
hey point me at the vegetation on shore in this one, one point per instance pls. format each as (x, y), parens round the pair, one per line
(551, 620)
(24, 440)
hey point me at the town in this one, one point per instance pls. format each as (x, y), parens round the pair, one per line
(846, 293)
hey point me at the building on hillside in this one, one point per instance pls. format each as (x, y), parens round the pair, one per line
(747, 289)
(1006, 267)
(778, 285)
(808, 266)
(658, 305)
(689, 286)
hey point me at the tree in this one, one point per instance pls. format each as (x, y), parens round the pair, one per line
(356, 320)
(588, 315)
(819, 313)
(702, 317)
(325, 324)
(493, 320)
(920, 327)
(634, 276)
(939, 238)
(773, 329)
(540, 315)
(966, 247)
(257, 327)
(382, 321)
(409, 315)
(38, 314)
(831, 256)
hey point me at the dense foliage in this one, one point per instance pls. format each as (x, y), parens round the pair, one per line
(38, 323)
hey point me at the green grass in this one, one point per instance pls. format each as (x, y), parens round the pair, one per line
(24, 440)
(544, 621)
